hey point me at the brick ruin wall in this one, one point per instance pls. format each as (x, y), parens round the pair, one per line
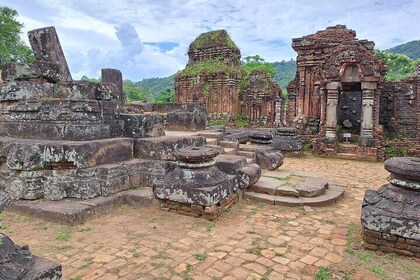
(400, 117)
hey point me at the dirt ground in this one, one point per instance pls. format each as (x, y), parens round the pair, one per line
(251, 241)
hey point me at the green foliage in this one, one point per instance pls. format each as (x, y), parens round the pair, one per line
(256, 62)
(219, 121)
(63, 234)
(93, 80)
(394, 151)
(135, 92)
(284, 72)
(199, 257)
(241, 121)
(208, 67)
(400, 66)
(12, 48)
(410, 49)
(324, 273)
(165, 96)
(213, 39)
(157, 85)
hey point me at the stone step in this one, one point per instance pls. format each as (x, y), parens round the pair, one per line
(229, 144)
(254, 148)
(250, 160)
(347, 148)
(221, 150)
(250, 155)
(162, 148)
(211, 134)
(230, 151)
(32, 154)
(211, 141)
(77, 211)
(102, 180)
(350, 156)
(331, 196)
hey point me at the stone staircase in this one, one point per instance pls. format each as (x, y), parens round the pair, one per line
(292, 189)
(347, 151)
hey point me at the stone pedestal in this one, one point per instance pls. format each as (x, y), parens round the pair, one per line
(390, 216)
(286, 141)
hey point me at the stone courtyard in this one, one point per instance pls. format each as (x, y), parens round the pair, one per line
(251, 241)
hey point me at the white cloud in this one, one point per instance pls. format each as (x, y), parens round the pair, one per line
(88, 35)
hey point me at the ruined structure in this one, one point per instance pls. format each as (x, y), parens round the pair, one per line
(214, 77)
(212, 74)
(198, 187)
(61, 138)
(177, 116)
(336, 92)
(261, 100)
(390, 216)
(400, 116)
(17, 262)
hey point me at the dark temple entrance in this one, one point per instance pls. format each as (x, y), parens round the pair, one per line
(349, 109)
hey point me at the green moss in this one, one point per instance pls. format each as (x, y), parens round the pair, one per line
(208, 67)
(213, 39)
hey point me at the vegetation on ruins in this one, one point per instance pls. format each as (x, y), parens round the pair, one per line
(399, 66)
(208, 67)
(12, 48)
(213, 39)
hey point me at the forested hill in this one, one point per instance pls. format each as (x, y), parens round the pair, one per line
(410, 49)
(284, 72)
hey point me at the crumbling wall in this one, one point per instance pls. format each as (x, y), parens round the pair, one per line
(260, 96)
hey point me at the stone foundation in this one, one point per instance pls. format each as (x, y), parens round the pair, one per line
(375, 240)
(207, 212)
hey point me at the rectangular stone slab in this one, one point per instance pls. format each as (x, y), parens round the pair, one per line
(140, 126)
(60, 131)
(204, 196)
(24, 154)
(162, 148)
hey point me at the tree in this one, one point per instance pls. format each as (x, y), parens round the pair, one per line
(256, 62)
(135, 91)
(399, 66)
(165, 96)
(12, 48)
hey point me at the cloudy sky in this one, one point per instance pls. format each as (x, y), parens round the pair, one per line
(150, 38)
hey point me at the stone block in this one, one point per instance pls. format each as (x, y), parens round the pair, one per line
(26, 71)
(249, 175)
(162, 148)
(230, 164)
(140, 126)
(270, 160)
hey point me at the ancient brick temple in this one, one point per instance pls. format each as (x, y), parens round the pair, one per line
(336, 91)
(214, 76)
(261, 98)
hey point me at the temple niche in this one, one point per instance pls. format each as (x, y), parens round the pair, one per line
(335, 95)
(214, 76)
